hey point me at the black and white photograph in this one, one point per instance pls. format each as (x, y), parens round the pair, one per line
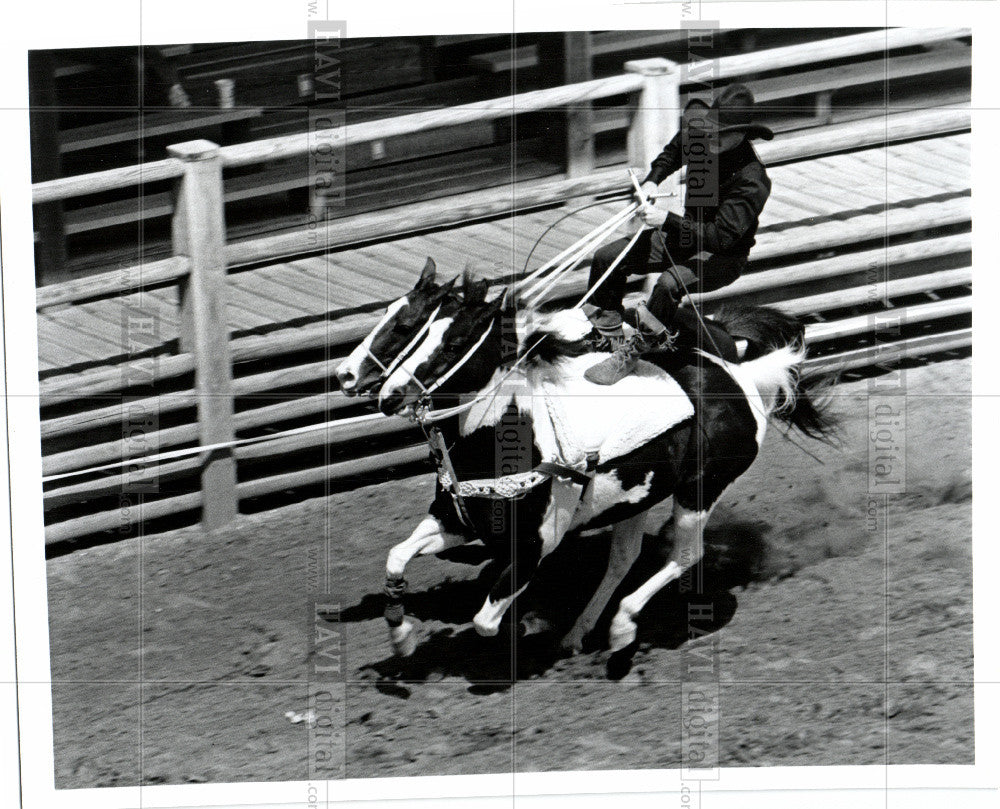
(485, 405)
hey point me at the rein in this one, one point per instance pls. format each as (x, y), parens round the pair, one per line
(519, 484)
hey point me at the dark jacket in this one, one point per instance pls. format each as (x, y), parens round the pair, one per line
(724, 223)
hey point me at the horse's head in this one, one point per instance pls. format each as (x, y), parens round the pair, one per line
(455, 356)
(364, 370)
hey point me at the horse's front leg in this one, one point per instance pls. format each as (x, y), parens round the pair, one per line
(429, 537)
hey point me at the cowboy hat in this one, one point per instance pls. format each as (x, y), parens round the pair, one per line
(730, 118)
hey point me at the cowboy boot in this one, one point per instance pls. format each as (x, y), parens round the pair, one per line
(619, 365)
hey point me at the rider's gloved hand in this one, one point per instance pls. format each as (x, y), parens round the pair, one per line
(654, 217)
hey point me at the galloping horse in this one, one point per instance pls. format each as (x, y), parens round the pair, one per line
(365, 369)
(685, 427)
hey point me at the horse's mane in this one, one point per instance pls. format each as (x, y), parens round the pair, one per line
(556, 335)
(548, 347)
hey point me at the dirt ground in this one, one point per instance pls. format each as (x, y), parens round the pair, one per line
(840, 632)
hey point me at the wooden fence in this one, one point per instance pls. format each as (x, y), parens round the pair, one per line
(201, 257)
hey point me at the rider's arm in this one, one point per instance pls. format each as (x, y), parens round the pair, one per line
(666, 163)
(737, 214)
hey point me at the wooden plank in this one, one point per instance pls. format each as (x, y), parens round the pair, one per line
(113, 282)
(399, 266)
(94, 334)
(744, 64)
(453, 259)
(777, 212)
(883, 163)
(371, 274)
(305, 288)
(890, 353)
(939, 168)
(856, 75)
(106, 521)
(246, 311)
(354, 287)
(856, 296)
(153, 125)
(840, 182)
(863, 261)
(790, 194)
(917, 313)
(63, 347)
(255, 284)
(796, 187)
(271, 282)
(109, 180)
(579, 129)
(938, 173)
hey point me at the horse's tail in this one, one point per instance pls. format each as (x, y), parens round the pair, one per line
(778, 343)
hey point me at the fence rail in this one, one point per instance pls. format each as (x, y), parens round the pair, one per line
(202, 256)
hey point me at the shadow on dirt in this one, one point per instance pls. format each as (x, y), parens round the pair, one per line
(734, 556)
(696, 605)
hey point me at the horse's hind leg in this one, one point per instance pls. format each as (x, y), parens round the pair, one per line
(528, 553)
(509, 586)
(626, 542)
(689, 526)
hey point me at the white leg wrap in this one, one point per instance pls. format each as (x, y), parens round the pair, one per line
(403, 639)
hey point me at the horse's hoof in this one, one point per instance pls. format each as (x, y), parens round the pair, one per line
(622, 633)
(572, 644)
(532, 624)
(403, 639)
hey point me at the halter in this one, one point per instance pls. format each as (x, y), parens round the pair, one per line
(413, 343)
(387, 370)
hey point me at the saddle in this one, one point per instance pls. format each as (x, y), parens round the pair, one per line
(690, 333)
(707, 335)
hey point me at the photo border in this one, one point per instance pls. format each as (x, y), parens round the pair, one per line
(62, 23)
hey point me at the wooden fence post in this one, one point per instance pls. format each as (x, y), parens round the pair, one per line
(199, 233)
(656, 119)
(578, 67)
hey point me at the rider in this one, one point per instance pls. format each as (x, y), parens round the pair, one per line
(727, 187)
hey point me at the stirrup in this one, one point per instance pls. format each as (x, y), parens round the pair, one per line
(600, 341)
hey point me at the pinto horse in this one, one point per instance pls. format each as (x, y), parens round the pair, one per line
(681, 426)
(365, 368)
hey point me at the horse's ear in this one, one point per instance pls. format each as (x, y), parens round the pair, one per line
(473, 291)
(427, 276)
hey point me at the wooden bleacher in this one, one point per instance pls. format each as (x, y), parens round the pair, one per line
(403, 77)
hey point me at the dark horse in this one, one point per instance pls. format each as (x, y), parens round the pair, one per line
(684, 425)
